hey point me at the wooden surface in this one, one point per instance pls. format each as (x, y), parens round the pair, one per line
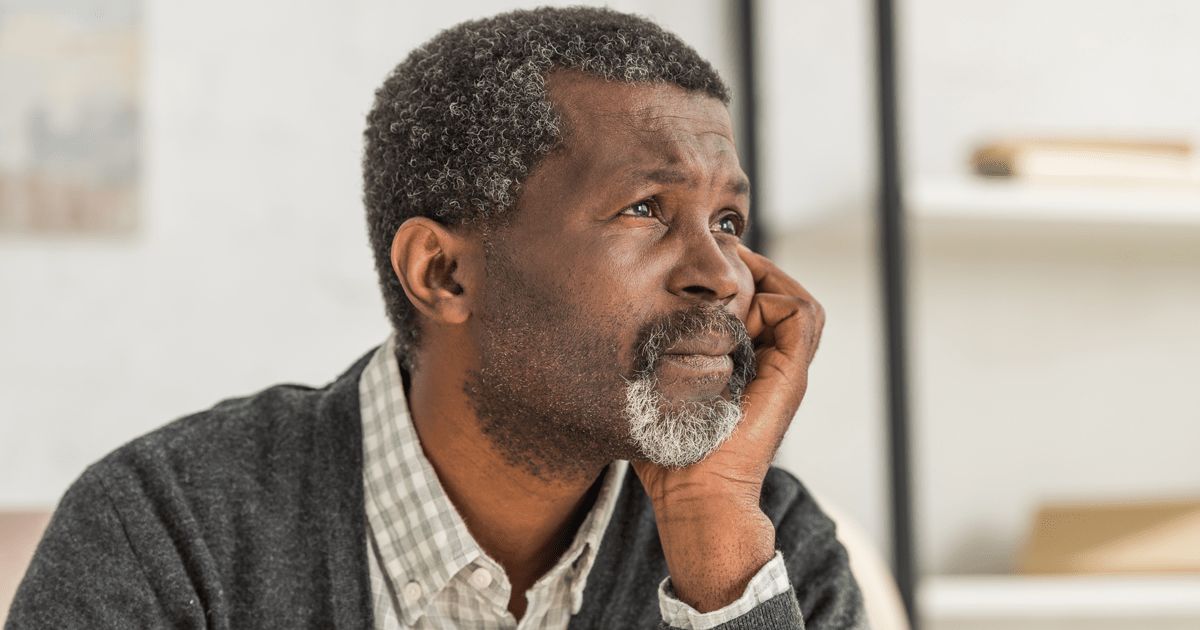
(19, 536)
(1162, 537)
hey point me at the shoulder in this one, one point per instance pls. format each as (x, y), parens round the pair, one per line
(245, 482)
(246, 508)
(260, 426)
(255, 438)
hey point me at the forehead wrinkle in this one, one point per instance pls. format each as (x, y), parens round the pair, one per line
(653, 123)
(689, 147)
(682, 151)
(666, 176)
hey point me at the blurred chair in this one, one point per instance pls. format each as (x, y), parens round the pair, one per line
(19, 536)
(885, 609)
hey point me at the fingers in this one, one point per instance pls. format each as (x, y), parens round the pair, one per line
(785, 322)
(769, 278)
(789, 329)
(789, 325)
(770, 283)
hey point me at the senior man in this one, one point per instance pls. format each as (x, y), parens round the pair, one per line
(573, 423)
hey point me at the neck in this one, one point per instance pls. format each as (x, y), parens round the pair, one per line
(522, 520)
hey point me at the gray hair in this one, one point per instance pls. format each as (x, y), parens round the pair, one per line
(459, 124)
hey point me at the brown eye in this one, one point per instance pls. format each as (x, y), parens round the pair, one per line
(729, 225)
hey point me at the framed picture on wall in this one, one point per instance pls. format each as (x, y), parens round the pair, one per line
(69, 116)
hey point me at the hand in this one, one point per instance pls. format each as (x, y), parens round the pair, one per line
(714, 535)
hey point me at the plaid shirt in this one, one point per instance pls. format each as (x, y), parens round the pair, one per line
(426, 569)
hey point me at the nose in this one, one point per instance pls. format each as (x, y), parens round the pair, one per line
(703, 270)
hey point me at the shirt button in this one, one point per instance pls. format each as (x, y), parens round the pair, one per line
(412, 592)
(481, 578)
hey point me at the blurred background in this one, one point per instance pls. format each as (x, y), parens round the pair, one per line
(180, 222)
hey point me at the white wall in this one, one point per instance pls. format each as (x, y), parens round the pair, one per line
(1051, 368)
(251, 265)
(817, 105)
(1054, 362)
(1050, 361)
(972, 69)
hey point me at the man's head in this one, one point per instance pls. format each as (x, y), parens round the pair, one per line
(593, 306)
(457, 127)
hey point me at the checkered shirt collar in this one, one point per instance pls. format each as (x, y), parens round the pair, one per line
(420, 535)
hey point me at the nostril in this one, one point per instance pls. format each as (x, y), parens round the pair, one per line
(696, 289)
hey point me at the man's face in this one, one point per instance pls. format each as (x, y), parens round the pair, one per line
(629, 228)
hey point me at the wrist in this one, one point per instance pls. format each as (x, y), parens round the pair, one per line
(713, 549)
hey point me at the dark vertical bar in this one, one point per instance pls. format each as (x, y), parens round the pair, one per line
(892, 263)
(748, 101)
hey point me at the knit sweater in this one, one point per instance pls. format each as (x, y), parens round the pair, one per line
(250, 515)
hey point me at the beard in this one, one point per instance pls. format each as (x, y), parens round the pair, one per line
(557, 397)
(682, 433)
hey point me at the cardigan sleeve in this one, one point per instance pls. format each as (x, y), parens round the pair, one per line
(781, 612)
(770, 582)
(85, 573)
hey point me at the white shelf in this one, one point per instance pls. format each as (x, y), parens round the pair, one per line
(1024, 596)
(1006, 200)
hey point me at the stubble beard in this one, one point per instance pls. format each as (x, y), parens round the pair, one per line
(553, 396)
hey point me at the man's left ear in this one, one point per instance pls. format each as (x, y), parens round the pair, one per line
(438, 267)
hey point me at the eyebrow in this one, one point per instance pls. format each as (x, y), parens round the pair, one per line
(670, 176)
(738, 186)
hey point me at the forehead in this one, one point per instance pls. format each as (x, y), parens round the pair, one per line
(618, 136)
(593, 108)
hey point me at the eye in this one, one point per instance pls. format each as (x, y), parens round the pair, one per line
(730, 224)
(643, 208)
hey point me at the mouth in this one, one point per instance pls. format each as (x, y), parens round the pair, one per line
(712, 345)
(703, 353)
(696, 354)
(699, 362)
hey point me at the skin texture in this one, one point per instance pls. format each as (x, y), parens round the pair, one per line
(582, 266)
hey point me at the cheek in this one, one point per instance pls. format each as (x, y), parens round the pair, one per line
(634, 294)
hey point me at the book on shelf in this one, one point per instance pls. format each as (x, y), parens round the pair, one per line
(1118, 537)
(1091, 161)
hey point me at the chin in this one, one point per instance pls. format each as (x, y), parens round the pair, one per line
(678, 433)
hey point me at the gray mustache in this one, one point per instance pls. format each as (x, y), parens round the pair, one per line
(657, 336)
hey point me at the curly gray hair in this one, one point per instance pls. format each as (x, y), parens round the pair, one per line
(458, 125)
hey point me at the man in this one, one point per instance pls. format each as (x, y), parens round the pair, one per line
(555, 205)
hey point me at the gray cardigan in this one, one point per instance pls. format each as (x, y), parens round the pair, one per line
(250, 515)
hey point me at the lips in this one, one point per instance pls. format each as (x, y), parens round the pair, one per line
(704, 353)
(697, 352)
(708, 345)
(699, 362)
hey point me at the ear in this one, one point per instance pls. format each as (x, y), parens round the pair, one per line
(436, 266)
